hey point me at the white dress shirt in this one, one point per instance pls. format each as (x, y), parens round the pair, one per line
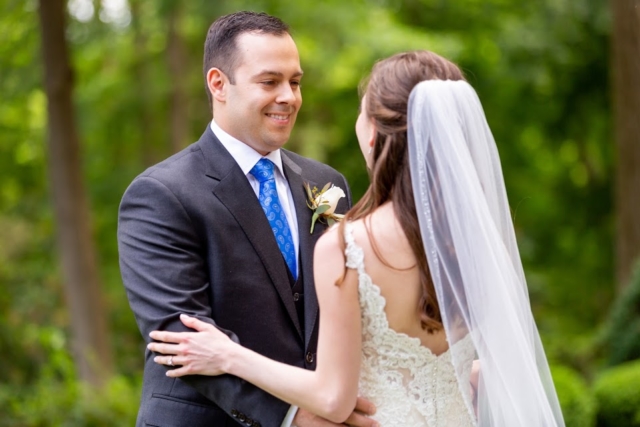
(246, 157)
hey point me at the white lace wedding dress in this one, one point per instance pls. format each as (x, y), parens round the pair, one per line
(409, 385)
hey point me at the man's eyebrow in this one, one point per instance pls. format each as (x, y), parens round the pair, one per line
(276, 74)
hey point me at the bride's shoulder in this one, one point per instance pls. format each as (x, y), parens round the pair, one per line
(331, 248)
(329, 258)
(330, 242)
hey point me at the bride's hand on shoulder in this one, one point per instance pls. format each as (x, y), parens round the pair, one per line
(204, 352)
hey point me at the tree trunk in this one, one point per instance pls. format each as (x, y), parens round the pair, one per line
(90, 340)
(626, 101)
(141, 72)
(177, 61)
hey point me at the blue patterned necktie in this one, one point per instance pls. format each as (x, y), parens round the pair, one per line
(263, 172)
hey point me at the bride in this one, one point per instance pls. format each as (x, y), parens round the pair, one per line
(424, 304)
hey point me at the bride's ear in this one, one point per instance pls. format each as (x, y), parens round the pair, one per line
(372, 135)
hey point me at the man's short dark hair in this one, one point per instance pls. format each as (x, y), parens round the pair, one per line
(220, 50)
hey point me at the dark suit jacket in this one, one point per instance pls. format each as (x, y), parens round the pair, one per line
(193, 239)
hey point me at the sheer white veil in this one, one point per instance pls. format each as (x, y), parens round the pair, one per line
(473, 257)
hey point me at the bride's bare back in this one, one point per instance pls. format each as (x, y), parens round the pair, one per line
(398, 280)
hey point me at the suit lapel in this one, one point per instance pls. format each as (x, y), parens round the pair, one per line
(234, 191)
(308, 240)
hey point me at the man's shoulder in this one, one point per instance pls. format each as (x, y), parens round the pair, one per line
(309, 165)
(186, 161)
(175, 174)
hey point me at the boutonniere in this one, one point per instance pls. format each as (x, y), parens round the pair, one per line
(323, 203)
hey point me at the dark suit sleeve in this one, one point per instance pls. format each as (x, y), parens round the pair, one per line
(163, 266)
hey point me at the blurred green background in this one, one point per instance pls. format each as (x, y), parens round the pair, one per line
(542, 69)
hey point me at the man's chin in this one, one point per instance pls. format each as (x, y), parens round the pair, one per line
(277, 141)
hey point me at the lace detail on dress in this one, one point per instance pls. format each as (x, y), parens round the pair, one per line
(409, 385)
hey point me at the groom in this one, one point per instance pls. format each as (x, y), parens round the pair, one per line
(194, 238)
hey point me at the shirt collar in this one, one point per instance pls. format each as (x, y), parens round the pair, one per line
(245, 156)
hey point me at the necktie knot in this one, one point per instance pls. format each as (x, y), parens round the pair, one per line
(263, 170)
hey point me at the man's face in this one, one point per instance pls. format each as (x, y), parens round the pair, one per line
(260, 109)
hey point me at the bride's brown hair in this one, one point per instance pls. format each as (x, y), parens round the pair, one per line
(387, 96)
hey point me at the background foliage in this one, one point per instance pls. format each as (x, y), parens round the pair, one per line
(540, 68)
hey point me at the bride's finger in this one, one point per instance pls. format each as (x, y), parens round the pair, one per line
(359, 416)
(168, 360)
(173, 373)
(357, 419)
(163, 348)
(174, 337)
(195, 323)
(365, 406)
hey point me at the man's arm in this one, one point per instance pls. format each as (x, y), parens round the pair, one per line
(162, 261)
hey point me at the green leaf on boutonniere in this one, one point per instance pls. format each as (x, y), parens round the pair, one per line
(322, 209)
(316, 214)
(308, 189)
(314, 218)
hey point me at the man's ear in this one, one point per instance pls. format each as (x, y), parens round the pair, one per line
(217, 83)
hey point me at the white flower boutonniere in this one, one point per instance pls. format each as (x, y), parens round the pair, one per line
(323, 203)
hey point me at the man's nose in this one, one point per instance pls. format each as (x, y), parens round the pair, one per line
(286, 95)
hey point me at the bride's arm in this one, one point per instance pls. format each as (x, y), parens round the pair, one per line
(331, 390)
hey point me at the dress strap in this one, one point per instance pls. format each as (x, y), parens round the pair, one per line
(353, 253)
